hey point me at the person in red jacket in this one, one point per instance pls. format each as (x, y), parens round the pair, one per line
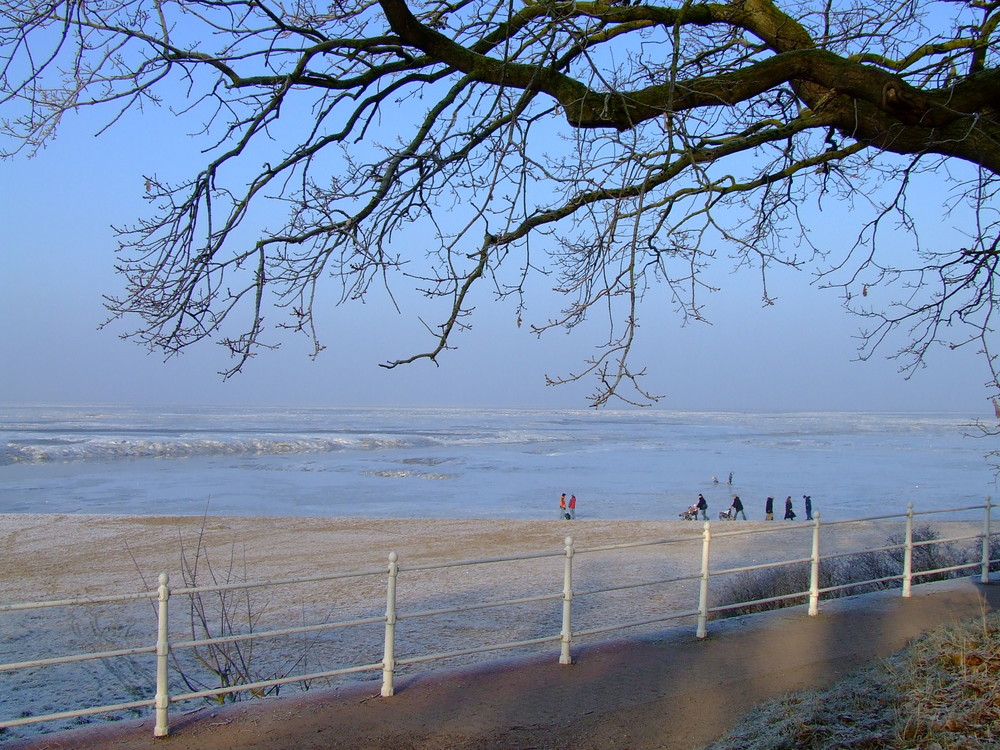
(572, 506)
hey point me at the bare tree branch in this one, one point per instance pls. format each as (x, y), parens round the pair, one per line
(619, 150)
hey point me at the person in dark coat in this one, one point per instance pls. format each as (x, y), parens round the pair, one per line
(737, 508)
(703, 507)
(809, 507)
(769, 509)
(789, 513)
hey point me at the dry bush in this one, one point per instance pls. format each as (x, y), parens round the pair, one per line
(228, 614)
(855, 574)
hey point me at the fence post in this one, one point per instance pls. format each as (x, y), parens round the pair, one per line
(814, 570)
(703, 593)
(162, 727)
(985, 577)
(908, 551)
(389, 653)
(566, 636)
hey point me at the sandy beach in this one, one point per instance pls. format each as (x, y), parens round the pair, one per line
(55, 556)
(46, 557)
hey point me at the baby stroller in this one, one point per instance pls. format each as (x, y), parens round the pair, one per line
(691, 514)
(729, 515)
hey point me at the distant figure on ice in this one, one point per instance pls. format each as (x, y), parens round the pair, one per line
(789, 513)
(769, 509)
(809, 507)
(562, 506)
(703, 507)
(730, 479)
(715, 480)
(737, 508)
(572, 506)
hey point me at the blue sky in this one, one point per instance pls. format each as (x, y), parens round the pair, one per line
(58, 260)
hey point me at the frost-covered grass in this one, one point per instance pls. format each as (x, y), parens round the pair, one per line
(941, 693)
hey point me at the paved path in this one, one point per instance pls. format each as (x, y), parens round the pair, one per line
(668, 692)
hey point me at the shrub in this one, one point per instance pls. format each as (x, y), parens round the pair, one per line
(864, 572)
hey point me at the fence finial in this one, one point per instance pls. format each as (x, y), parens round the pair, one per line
(908, 552)
(814, 570)
(389, 652)
(706, 536)
(162, 726)
(566, 635)
(984, 576)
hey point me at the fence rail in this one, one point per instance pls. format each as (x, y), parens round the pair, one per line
(561, 631)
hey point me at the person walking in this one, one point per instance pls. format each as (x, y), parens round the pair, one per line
(789, 513)
(737, 508)
(562, 506)
(572, 506)
(769, 509)
(809, 507)
(703, 507)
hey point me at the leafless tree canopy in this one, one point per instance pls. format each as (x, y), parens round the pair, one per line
(612, 149)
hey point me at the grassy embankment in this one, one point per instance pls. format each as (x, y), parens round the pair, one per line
(941, 693)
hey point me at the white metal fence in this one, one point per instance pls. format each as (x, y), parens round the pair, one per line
(164, 649)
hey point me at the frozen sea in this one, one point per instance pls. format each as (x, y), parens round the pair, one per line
(463, 463)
